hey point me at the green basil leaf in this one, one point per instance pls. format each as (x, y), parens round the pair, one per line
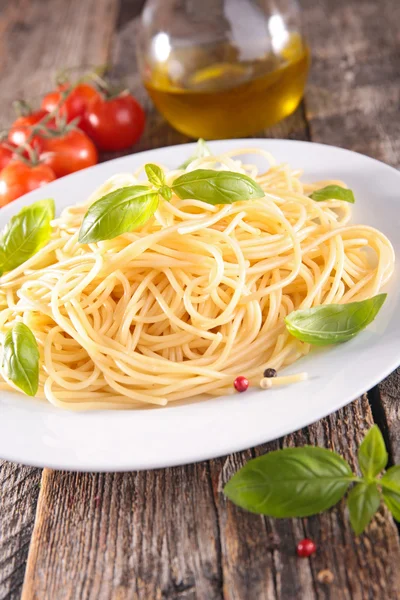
(155, 175)
(333, 323)
(216, 187)
(372, 455)
(25, 234)
(119, 211)
(333, 192)
(293, 482)
(363, 501)
(390, 483)
(21, 358)
(165, 192)
(201, 151)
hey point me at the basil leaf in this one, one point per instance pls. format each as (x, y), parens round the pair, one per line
(294, 482)
(390, 483)
(333, 323)
(216, 187)
(25, 234)
(363, 501)
(372, 455)
(119, 211)
(333, 192)
(165, 192)
(21, 358)
(155, 175)
(201, 151)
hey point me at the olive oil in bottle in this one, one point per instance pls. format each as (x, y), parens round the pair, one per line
(206, 91)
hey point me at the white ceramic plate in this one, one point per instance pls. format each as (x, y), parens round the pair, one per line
(36, 433)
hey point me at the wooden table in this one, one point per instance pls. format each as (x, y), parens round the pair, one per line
(171, 533)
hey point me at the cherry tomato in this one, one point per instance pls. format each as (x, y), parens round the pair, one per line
(6, 155)
(115, 123)
(21, 130)
(75, 105)
(19, 178)
(69, 152)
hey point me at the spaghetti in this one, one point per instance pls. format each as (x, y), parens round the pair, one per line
(193, 298)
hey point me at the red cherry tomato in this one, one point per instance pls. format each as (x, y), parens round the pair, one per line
(19, 178)
(22, 127)
(75, 105)
(6, 155)
(69, 152)
(114, 124)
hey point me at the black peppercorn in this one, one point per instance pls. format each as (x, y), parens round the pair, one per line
(269, 373)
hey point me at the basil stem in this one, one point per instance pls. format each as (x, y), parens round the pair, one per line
(216, 187)
(118, 212)
(333, 323)
(293, 482)
(25, 234)
(165, 192)
(333, 192)
(21, 358)
(201, 151)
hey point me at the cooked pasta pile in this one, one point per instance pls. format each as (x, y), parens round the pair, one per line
(195, 297)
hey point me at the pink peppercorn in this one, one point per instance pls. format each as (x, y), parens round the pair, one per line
(241, 384)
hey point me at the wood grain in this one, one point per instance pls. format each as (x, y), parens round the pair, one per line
(388, 401)
(19, 492)
(353, 95)
(38, 38)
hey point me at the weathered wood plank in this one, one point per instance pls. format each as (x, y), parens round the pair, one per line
(389, 415)
(35, 39)
(139, 535)
(19, 492)
(352, 98)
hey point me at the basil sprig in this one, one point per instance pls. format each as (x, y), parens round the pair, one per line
(201, 151)
(299, 482)
(25, 234)
(21, 358)
(333, 192)
(131, 207)
(156, 176)
(333, 323)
